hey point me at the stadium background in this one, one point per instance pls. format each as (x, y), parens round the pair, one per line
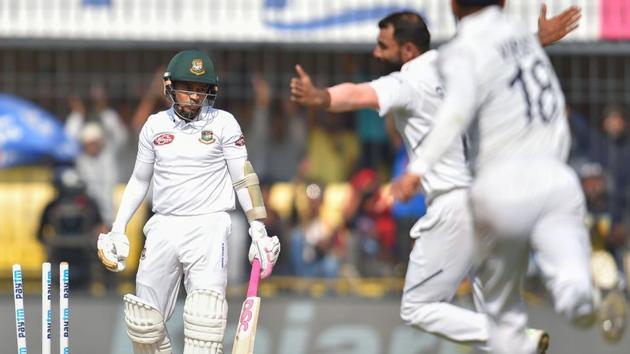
(54, 50)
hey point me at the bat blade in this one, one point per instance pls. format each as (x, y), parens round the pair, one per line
(247, 323)
(248, 320)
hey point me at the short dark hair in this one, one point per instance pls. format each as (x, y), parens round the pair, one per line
(408, 26)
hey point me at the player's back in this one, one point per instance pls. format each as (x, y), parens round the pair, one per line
(521, 108)
(524, 196)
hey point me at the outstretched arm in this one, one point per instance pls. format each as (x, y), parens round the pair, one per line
(554, 29)
(339, 98)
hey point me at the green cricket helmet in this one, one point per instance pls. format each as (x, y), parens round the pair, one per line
(190, 66)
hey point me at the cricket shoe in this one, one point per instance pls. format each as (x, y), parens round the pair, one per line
(612, 315)
(611, 309)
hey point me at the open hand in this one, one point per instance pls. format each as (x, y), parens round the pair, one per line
(554, 29)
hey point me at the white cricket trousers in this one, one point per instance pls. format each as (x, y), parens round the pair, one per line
(194, 247)
(521, 205)
(441, 258)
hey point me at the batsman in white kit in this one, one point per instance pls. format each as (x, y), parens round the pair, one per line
(443, 252)
(500, 83)
(197, 158)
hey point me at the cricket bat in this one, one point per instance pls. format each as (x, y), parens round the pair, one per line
(248, 320)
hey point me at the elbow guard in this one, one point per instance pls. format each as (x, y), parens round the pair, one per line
(250, 181)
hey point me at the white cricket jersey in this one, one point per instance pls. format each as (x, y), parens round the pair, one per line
(190, 172)
(496, 69)
(413, 96)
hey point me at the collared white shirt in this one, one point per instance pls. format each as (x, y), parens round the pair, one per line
(190, 172)
(413, 96)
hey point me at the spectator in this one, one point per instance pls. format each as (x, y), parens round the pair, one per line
(277, 135)
(99, 112)
(369, 217)
(152, 101)
(97, 168)
(68, 229)
(369, 127)
(580, 137)
(312, 241)
(606, 233)
(612, 151)
(275, 226)
(332, 151)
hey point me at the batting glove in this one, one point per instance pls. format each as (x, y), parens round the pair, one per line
(113, 249)
(263, 247)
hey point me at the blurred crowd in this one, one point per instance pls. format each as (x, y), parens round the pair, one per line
(600, 153)
(339, 219)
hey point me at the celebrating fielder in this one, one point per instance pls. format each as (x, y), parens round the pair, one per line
(443, 251)
(197, 157)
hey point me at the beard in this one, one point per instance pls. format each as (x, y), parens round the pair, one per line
(388, 67)
(187, 111)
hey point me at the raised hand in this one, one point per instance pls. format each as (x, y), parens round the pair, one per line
(305, 93)
(554, 29)
(262, 90)
(76, 105)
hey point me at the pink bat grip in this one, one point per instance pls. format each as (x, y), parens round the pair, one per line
(254, 278)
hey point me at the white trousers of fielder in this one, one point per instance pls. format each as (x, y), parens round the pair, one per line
(537, 205)
(441, 258)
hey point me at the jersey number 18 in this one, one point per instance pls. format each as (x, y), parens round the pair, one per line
(543, 95)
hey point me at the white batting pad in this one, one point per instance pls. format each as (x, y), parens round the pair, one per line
(145, 327)
(205, 316)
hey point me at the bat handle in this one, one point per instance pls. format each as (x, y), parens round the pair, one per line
(254, 278)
